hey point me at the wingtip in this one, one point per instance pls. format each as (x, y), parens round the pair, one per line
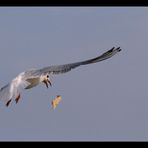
(112, 48)
(118, 49)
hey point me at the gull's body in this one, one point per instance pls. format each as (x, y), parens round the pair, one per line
(32, 78)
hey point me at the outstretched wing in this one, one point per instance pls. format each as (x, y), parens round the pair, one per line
(5, 94)
(58, 69)
(12, 89)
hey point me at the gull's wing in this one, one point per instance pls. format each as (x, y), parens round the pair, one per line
(24, 80)
(12, 89)
(8, 92)
(58, 69)
(5, 94)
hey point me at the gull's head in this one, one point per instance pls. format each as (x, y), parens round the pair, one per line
(45, 79)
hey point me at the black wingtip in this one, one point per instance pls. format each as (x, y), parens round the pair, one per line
(111, 50)
(118, 49)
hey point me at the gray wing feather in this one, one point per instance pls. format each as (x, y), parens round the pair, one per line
(58, 69)
(5, 93)
(11, 90)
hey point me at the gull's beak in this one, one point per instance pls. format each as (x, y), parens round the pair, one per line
(45, 81)
(49, 82)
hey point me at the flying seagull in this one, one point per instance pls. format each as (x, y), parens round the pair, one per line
(33, 77)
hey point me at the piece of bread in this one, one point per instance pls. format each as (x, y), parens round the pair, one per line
(56, 101)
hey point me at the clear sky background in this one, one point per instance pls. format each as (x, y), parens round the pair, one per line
(100, 102)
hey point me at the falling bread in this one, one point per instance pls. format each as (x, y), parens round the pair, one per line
(56, 101)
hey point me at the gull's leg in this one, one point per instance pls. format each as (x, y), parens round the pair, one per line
(17, 98)
(7, 104)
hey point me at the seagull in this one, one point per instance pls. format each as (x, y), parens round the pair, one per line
(33, 77)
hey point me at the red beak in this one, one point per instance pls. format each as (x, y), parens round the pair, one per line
(49, 82)
(46, 82)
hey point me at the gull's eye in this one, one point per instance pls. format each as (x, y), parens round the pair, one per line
(47, 76)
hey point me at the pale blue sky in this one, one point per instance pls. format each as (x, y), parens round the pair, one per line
(100, 102)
